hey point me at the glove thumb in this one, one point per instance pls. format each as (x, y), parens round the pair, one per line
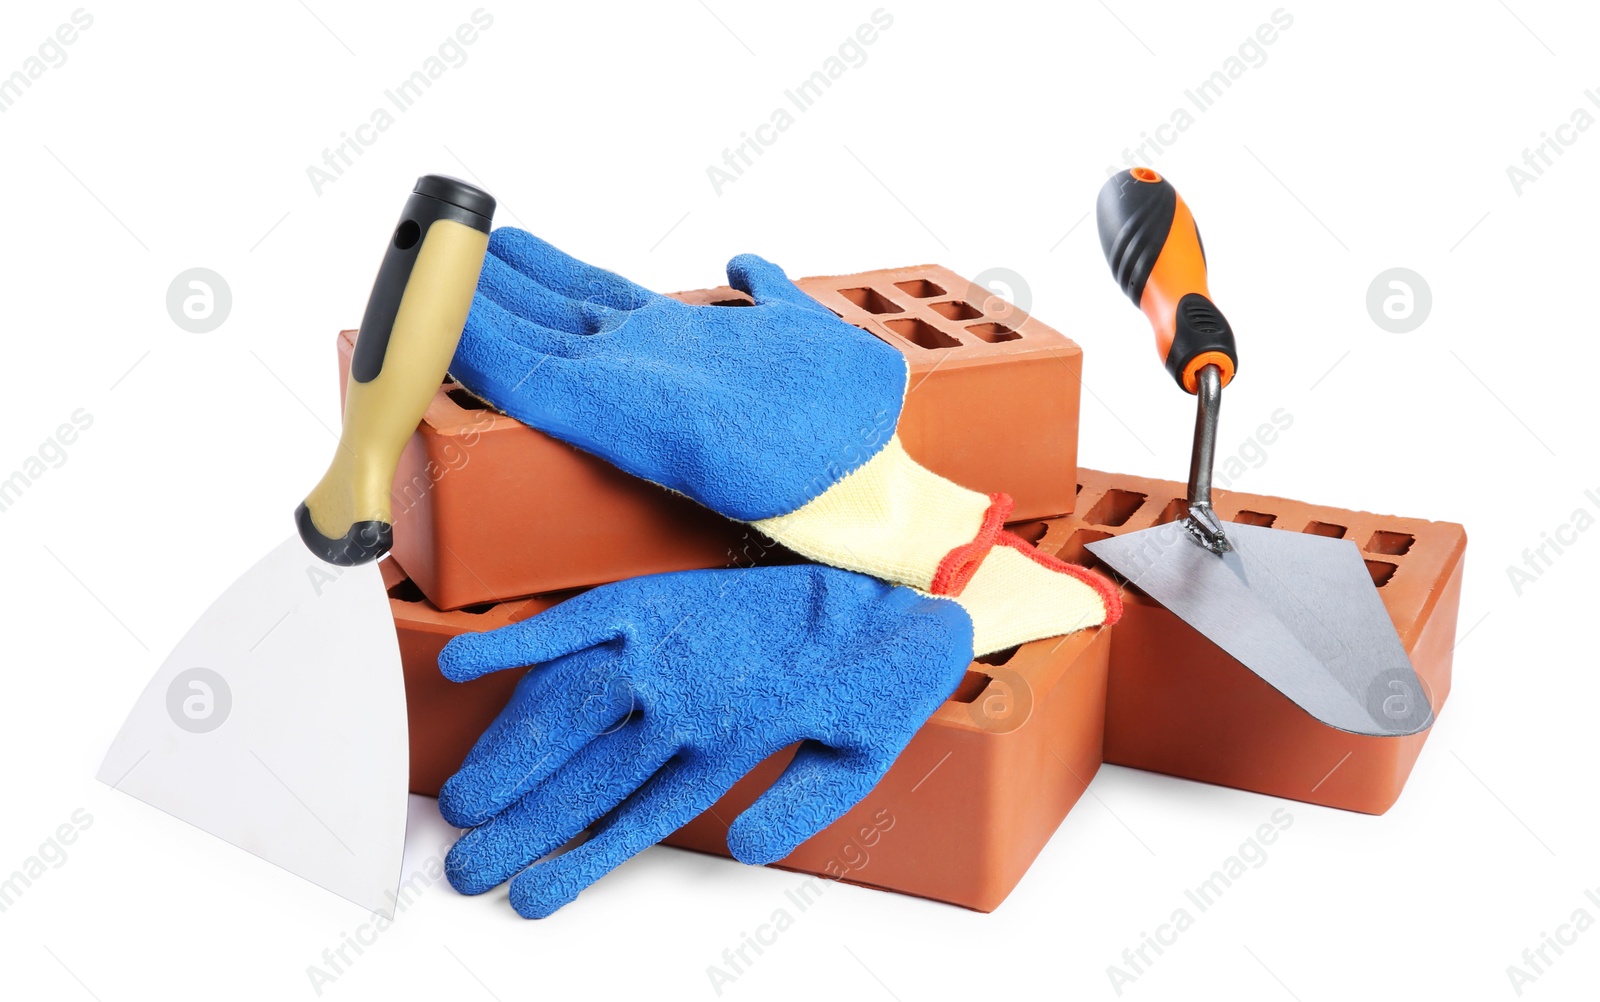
(814, 792)
(765, 282)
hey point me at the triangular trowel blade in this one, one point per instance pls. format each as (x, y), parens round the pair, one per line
(278, 723)
(1297, 609)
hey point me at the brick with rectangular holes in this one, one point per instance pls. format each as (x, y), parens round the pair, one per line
(959, 817)
(487, 508)
(993, 399)
(1178, 704)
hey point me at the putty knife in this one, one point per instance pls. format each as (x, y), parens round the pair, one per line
(1297, 609)
(278, 722)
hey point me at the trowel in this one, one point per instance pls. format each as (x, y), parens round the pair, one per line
(278, 722)
(1297, 609)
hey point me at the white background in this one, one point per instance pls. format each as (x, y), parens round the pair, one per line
(1375, 135)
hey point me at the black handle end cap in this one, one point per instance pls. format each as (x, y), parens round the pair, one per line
(458, 193)
(365, 541)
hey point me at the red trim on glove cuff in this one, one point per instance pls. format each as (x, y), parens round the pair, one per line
(1109, 593)
(958, 566)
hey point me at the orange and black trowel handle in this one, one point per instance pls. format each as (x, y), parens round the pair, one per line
(1153, 246)
(408, 335)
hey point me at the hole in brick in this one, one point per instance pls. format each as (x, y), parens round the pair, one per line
(1260, 518)
(1031, 531)
(919, 288)
(870, 300)
(1328, 529)
(922, 334)
(1077, 549)
(1381, 571)
(1393, 544)
(479, 609)
(407, 591)
(733, 302)
(994, 333)
(1115, 508)
(972, 685)
(1176, 509)
(465, 400)
(999, 657)
(955, 309)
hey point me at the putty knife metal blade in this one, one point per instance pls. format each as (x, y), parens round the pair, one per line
(1298, 610)
(295, 655)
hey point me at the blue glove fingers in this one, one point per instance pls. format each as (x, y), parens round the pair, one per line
(553, 714)
(583, 621)
(817, 788)
(765, 282)
(677, 793)
(508, 339)
(518, 366)
(564, 274)
(596, 780)
(522, 297)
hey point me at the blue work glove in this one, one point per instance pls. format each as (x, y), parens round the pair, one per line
(659, 693)
(779, 414)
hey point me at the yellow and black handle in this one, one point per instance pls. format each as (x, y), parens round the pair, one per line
(1153, 246)
(408, 335)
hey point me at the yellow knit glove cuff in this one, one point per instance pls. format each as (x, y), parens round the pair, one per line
(1020, 594)
(896, 520)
